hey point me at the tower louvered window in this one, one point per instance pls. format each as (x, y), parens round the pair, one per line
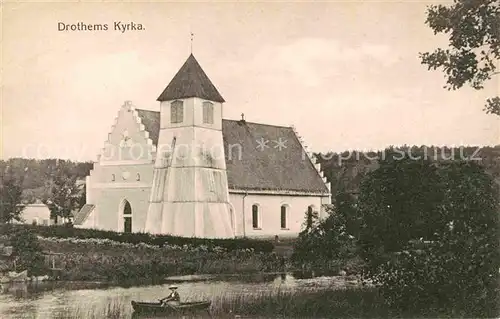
(176, 112)
(208, 113)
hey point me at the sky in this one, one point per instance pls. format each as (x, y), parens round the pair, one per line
(346, 74)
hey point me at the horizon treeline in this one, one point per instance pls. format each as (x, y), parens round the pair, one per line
(344, 170)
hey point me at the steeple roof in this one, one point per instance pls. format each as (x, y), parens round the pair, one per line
(190, 81)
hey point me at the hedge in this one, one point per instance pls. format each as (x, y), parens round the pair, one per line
(59, 231)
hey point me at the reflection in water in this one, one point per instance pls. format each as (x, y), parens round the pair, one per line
(54, 300)
(198, 316)
(16, 289)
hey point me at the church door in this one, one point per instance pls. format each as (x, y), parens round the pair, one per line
(127, 218)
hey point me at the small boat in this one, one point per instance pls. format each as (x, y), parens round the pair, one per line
(157, 307)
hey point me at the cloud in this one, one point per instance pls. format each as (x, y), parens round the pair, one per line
(310, 50)
(309, 61)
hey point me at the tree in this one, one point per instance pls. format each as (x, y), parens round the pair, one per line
(474, 38)
(346, 207)
(82, 198)
(65, 193)
(311, 220)
(326, 244)
(430, 236)
(10, 198)
(34, 174)
(397, 204)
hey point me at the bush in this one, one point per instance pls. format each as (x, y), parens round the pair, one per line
(58, 231)
(326, 244)
(430, 236)
(28, 252)
(105, 260)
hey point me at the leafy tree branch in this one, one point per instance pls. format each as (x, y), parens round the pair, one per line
(473, 55)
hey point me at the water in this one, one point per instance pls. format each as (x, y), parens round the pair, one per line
(54, 300)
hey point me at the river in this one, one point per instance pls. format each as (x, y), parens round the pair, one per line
(57, 300)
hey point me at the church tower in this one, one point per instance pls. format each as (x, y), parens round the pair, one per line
(190, 195)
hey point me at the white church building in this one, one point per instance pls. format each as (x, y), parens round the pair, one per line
(186, 171)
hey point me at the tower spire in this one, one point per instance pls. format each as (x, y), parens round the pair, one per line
(190, 81)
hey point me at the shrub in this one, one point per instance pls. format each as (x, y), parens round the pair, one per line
(325, 244)
(28, 252)
(430, 236)
(58, 231)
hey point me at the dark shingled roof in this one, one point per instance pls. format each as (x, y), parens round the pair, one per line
(269, 167)
(191, 81)
(249, 167)
(151, 121)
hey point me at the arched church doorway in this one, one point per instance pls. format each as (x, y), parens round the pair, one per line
(127, 217)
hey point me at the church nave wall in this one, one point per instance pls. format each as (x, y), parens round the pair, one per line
(269, 214)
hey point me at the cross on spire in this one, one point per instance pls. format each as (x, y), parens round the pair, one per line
(192, 38)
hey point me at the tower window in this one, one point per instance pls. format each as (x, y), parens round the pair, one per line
(112, 177)
(255, 216)
(176, 112)
(138, 177)
(208, 113)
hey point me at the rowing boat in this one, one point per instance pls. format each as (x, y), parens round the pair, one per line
(157, 307)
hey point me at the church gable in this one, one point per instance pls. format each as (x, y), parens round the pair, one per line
(128, 140)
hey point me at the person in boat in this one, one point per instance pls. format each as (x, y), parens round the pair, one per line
(173, 299)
